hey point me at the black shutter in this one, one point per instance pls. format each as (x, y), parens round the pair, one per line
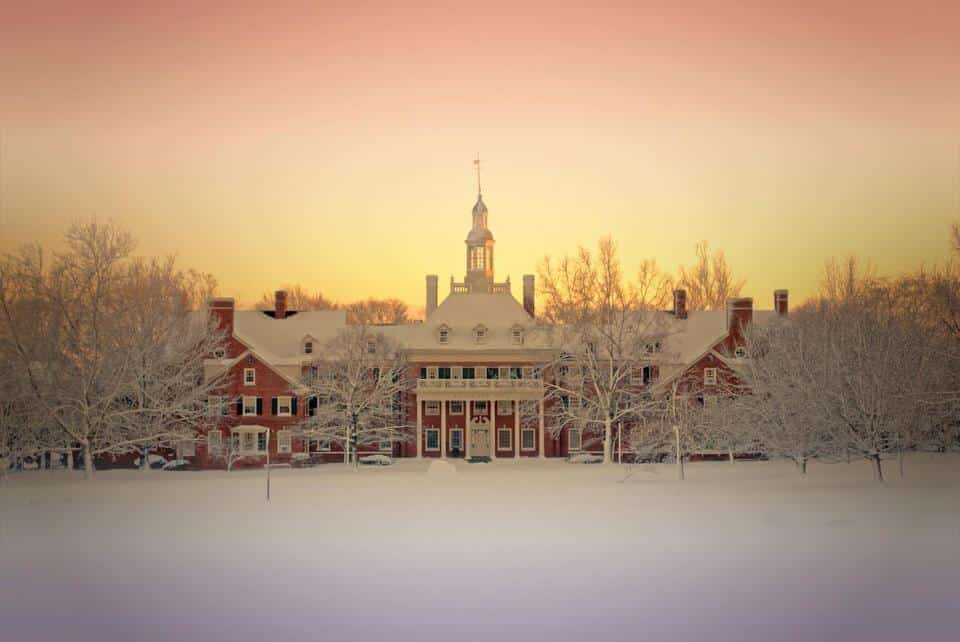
(240, 407)
(259, 405)
(312, 406)
(273, 406)
(293, 406)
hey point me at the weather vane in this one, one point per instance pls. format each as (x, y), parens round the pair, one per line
(476, 163)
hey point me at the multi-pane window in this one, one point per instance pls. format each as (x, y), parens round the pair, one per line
(516, 373)
(504, 408)
(262, 442)
(576, 441)
(433, 439)
(479, 407)
(284, 441)
(444, 335)
(456, 372)
(468, 373)
(516, 336)
(493, 373)
(504, 373)
(308, 347)
(527, 439)
(456, 439)
(504, 439)
(432, 372)
(709, 376)
(186, 448)
(249, 406)
(432, 407)
(371, 346)
(480, 334)
(249, 441)
(284, 406)
(456, 407)
(443, 372)
(249, 376)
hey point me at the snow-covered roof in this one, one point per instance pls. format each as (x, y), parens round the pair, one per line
(279, 340)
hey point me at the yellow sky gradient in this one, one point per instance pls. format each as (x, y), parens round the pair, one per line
(332, 146)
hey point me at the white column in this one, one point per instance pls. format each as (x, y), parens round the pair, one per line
(443, 429)
(466, 426)
(419, 428)
(492, 409)
(543, 445)
(516, 428)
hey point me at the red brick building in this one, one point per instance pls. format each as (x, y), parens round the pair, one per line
(476, 361)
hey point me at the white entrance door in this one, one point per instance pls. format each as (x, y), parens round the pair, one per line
(479, 439)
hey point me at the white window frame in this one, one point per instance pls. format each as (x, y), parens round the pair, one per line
(456, 372)
(740, 352)
(570, 434)
(308, 347)
(214, 405)
(186, 448)
(431, 372)
(219, 353)
(503, 373)
(502, 408)
(249, 376)
(243, 434)
(371, 346)
(452, 410)
(289, 412)
(284, 442)
(254, 406)
(426, 439)
(524, 433)
(710, 376)
(509, 433)
(477, 404)
(455, 434)
(516, 335)
(323, 445)
(214, 441)
(385, 446)
(443, 334)
(431, 408)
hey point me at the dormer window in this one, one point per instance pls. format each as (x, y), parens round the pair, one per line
(480, 334)
(443, 334)
(516, 335)
(219, 353)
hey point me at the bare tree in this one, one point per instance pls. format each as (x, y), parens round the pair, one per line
(82, 336)
(710, 281)
(784, 374)
(847, 279)
(377, 312)
(298, 298)
(358, 385)
(594, 318)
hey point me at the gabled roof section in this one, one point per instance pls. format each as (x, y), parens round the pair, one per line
(279, 341)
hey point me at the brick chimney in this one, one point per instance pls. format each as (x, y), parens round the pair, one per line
(431, 293)
(222, 310)
(680, 304)
(280, 304)
(739, 314)
(529, 294)
(781, 302)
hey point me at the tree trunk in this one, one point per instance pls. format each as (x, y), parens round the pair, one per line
(877, 468)
(145, 459)
(676, 432)
(901, 455)
(730, 454)
(802, 465)
(607, 441)
(346, 448)
(87, 462)
(70, 459)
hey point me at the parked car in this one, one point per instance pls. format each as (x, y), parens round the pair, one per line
(178, 465)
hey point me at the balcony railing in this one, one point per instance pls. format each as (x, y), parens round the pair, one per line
(479, 384)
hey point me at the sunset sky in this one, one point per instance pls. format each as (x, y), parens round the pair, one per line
(332, 144)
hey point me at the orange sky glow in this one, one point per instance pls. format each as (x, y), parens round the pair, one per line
(331, 144)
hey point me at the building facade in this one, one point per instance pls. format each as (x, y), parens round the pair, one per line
(476, 360)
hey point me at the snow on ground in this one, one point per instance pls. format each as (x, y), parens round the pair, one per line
(502, 551)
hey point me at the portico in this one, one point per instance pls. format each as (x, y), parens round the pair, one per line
(480, 418)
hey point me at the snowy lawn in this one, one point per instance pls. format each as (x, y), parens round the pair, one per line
(502, 551)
